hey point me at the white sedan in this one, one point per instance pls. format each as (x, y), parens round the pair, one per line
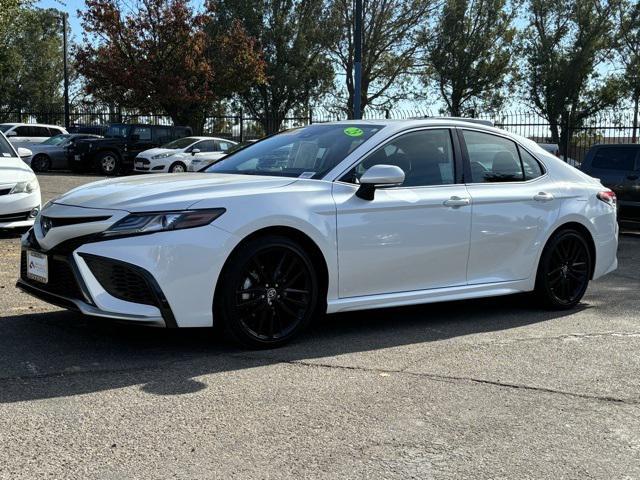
(327, 218)
(184, 154)
(19, 188)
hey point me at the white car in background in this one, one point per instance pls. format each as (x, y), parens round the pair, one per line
(327, 218)
(184, 154)
(24, 134)
(19, 188)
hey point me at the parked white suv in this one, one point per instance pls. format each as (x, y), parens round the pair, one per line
(29, 133)
(183, 154)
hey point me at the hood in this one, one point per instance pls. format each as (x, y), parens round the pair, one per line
(156, 151)
(176, 191)
(43, 148)
(14, 170)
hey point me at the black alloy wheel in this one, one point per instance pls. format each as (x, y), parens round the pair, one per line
(565, 270)
(269, 292)
(40, 163)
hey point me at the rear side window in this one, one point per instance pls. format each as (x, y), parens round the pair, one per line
(223, 146)
(23, 131)
(54, 131)
(42, 132)
(615, 158)
(530, 165)
(143, 133)
(162, 134)
(492, 158)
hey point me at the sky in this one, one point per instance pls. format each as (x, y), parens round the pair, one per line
(69, 6)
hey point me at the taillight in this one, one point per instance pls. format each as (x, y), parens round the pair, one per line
(608, 197)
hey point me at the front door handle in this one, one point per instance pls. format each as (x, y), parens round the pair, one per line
(543, 197)
(457, 202)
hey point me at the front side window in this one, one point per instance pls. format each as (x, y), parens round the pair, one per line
(117, 130)
(143, 133)
(205, 146)
(615, 158)
(180, 143)
(41, 132)
(492, 158)
(425, 156)
(308, 152)
(23, 131)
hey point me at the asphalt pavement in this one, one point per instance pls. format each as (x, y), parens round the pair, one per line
(482, 389)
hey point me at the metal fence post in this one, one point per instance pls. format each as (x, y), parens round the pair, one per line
(310, 116)
(241, 118)
(567, 139)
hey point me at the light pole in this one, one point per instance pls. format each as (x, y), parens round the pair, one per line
(357, 61)
(66, 73)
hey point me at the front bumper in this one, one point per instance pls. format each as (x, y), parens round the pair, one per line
(169, 278)
(19, 209)
(145, 165)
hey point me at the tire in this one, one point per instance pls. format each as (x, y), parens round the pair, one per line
(40, 163)
(177, 167)
(108, 163)
(258, 306)
(564, 270)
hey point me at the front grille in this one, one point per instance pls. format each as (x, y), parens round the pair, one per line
(5, 191)
(63, 222)
(143, 161)
(15, 217)
(122, 280)
(62, 280)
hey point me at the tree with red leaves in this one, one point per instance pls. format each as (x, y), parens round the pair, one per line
(156, 54)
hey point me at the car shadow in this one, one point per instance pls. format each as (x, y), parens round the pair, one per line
(62, 354)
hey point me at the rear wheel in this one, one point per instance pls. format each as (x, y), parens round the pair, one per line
(564, 270)
(177, 167)
(40, 163)
(268, 292)
(108, 163)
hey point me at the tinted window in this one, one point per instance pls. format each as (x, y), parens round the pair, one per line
(205, 146)
(532, 168)
(492, 158)
(162, 134)
(23, 131)
(615, 158)
(54, 131)
(426, 157)
(144, 133)
(308, 151)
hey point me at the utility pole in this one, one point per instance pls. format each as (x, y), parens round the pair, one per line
(66, 73)
(357, 61)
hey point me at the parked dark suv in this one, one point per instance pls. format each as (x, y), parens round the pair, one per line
(617, 167)
(114, 153)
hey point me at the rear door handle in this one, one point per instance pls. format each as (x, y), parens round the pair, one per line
(543, 197)
(457, 202)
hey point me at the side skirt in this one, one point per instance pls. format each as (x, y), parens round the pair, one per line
(432, 295)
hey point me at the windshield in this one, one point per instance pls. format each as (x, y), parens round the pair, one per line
(5, 148)
(5, 126)
(118, 131)
(180, 143)
(308, 152)
(57, 140)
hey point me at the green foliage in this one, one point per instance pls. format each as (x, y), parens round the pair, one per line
(565, 43)
(469, 56)
(628, 49)
(293, 36)
(156, 54)
(391, 29)
(31, 61)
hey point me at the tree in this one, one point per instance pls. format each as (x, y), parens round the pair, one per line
(469, 58)
(629, 53)
(390, 34)
(31, 62)
(293, 36)
(157, 55)
(565, 43)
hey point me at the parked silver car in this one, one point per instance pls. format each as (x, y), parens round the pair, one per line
(52, 153)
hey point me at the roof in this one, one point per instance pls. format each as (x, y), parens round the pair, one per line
(15, 124)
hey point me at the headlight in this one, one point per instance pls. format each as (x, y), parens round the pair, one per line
(162, 155)
(140, 223)
(25, 187)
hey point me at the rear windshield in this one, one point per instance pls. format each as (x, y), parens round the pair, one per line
(615, 158)
(307, 152)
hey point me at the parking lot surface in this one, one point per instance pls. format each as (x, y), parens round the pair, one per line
(491, 388)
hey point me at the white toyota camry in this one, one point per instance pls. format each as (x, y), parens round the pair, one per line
(327, 218)
(19, 188)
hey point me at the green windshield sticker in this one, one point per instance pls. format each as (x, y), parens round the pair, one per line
(353, 132)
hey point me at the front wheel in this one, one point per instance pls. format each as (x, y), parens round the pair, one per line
(108, 163)
(177, 167)
(268, 292)
(564, 270)
(40, 163)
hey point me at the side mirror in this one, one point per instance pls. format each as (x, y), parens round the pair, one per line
(24, 152)
(12, 133)
(194, 151)
(379, 176)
